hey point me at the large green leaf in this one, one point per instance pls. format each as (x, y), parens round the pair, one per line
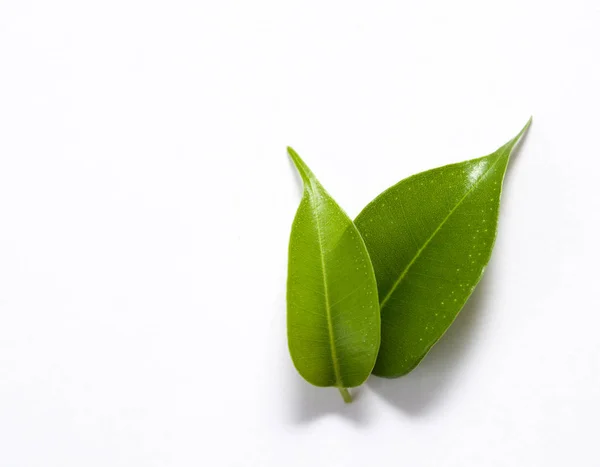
(333, 320)
(430, 238)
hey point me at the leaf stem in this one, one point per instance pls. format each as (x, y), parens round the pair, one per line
(346, 395)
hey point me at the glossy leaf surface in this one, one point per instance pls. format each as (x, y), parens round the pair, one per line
(430, 238)
(333, 320)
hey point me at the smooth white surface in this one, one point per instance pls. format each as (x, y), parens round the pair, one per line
(145, 206)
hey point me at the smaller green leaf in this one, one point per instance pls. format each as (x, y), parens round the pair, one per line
(333, 319)
(430, 238)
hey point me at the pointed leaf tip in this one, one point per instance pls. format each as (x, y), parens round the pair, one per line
(517, 138)
(303, 170)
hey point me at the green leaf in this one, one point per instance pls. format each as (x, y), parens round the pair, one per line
(333, 321)
(430, 238)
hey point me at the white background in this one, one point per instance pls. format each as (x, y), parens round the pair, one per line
(145, 205)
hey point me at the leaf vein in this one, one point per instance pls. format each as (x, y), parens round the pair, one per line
(435, 232)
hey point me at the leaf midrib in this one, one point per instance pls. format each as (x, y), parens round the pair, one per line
(435, 232)
(334, 359)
